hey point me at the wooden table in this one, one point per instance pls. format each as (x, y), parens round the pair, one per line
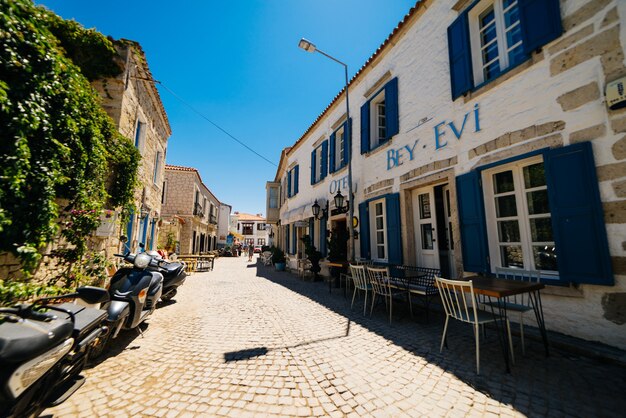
(500, 289)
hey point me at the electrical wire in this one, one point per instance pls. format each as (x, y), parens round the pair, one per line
(196, 111)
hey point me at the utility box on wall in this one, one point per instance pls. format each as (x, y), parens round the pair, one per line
(615, 94)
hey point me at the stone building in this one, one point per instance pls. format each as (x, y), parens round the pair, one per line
(133, 102)
(481, 136)
(190, 212)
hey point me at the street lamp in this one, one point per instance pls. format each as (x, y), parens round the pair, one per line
(308, 46)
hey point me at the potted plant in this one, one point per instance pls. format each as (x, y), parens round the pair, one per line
(279, 260)
(337, 251)
(313, 255)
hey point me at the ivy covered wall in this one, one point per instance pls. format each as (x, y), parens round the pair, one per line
(57, 144)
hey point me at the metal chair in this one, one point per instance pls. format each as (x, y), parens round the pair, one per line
(360, 283)
(520, 303)
(459, 302)
(381, 285)
(266, 258)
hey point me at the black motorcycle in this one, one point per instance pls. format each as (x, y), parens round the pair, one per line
(134, 293)
(173, 275)
(43, 349)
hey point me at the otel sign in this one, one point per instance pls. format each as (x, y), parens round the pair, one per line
(398, 156)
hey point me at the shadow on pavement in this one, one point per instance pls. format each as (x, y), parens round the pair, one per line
(116, 346)
(537, 385)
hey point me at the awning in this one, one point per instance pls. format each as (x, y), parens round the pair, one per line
(236, 235)
(298, 214)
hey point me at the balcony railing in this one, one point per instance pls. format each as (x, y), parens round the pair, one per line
(198, 210)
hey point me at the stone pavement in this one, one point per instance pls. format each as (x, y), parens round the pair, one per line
(244, 340)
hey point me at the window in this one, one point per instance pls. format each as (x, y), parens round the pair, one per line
(339, 148)
(493, 36)
(260, 226)
(164, 192)
(260, 241)
(157, 163)
(378, 230)
(517, 200)
(542, 212)
(249, 241)
(292, 181)
(319, 163)
(496, 38)
(248, 228)
(273, 191)
(139, 135)
(379, 117)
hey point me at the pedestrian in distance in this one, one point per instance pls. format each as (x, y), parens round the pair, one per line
(250, 252)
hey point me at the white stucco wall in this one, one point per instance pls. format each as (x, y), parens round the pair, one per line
(420, 61)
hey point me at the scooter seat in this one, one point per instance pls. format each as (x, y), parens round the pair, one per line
(173, 268)
(86, 319)
(26, 339)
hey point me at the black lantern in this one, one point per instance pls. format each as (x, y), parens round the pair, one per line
(316, 209)
(339, 200)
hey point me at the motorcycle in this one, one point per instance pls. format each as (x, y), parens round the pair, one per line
(43, 352)
(134, 293)
(173, 275)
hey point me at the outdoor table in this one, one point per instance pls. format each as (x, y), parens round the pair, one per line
(500, 289)
(340, 265)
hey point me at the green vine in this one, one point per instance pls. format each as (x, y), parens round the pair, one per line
(56, 140)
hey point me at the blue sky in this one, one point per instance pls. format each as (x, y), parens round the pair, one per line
(237, 62)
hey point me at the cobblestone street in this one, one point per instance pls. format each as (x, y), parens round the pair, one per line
(244, 340)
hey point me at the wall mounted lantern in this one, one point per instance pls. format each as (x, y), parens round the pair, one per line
(318, 210)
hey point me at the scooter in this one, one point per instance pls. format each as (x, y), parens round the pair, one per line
(134, 293)
(43, 352)
(173, 275)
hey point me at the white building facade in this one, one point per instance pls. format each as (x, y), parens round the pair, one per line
(481, 138)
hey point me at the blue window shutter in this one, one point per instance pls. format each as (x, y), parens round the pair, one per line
(364, 235)
(540, 22)
(391, 108)
(331, 159)
(365, 127)
(323, 236)
(394, 239)
(460, 55)
(287, 246)
(129, 232)
(294, 239)
(313, 166)
(289, 194)
(324, 159)
(347, 143)
(577, 215)
(312, 230)
(296, 179)
(472, 222)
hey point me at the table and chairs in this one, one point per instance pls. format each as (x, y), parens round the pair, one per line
(477, 300)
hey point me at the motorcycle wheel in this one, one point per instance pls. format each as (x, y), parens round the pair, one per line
(167, 297)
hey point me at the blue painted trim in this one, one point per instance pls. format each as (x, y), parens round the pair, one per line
(541, 151)
(129, 232)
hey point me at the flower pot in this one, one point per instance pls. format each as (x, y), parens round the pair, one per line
(279, 266)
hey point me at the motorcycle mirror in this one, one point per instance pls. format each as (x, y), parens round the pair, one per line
(123, 238)
(92, 294)
(142, 245)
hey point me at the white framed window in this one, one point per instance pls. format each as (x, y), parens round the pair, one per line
(273, 196)
(340, 147)
(378, 230)
(496, 38)
(318, 165)
(519, 223)
(378, 120)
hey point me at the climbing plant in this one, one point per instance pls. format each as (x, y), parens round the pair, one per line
(57, 144)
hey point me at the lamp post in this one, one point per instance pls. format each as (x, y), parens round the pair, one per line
(310, 47)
